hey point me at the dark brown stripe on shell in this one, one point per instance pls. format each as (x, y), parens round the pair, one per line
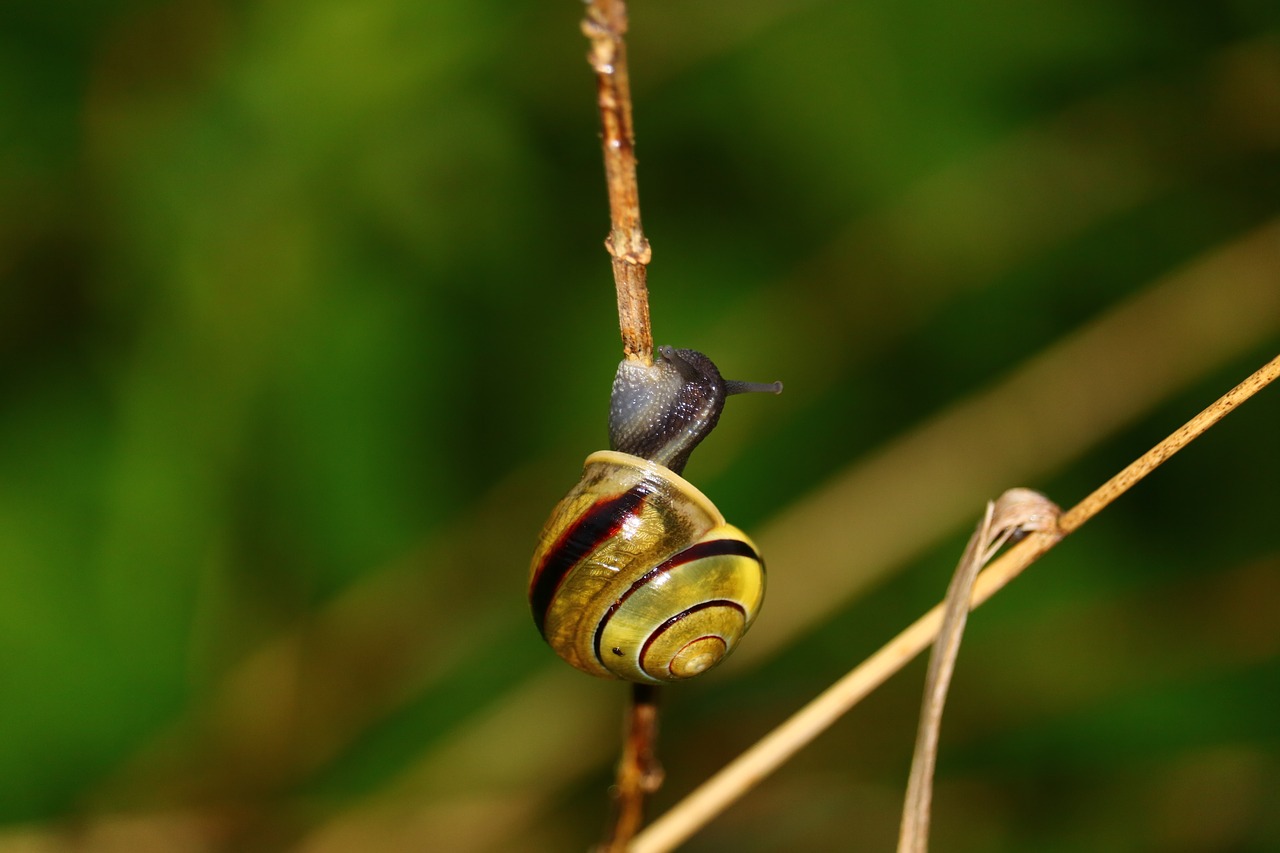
(702, 605)
(712, 548)
(598, 523)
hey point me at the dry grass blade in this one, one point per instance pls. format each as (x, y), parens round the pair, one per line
(696, 810)
(1017, 511)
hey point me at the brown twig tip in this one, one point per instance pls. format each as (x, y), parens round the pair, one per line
(605, 25)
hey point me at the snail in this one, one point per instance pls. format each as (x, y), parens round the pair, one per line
(636, 575)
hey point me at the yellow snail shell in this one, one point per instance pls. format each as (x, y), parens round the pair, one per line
(637, 575)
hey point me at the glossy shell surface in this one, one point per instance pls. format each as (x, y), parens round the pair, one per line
(637, 575)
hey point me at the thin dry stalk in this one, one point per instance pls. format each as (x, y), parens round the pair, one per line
(1156, 456)
(775, 748)
(605, 25)
(639, 772)
(1017, 512)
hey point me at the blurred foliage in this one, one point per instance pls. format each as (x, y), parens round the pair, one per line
(305, 324)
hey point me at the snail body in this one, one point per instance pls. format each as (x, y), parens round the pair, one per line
(636, 574)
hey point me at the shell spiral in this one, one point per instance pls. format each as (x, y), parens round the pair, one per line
(637, 576)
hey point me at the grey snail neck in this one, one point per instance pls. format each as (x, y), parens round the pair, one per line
(663, 411)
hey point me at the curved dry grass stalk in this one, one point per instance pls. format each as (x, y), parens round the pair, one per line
(1016, 512)
(685, 818)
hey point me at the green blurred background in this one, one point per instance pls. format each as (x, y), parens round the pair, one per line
(306, 323)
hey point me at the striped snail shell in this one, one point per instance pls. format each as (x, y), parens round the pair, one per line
(636, 574)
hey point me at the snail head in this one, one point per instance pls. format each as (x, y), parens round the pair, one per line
(662, 411)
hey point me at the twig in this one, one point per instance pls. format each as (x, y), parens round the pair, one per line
(605, 25)
(714, 795)
(639, 772)
(1016, 513)
(1156, 456)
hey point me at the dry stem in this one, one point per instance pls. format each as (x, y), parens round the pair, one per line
(639, 772)
(714, 795)
(1153, 458)
(605, 25)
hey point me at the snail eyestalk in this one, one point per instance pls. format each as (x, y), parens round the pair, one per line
(734, 386)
